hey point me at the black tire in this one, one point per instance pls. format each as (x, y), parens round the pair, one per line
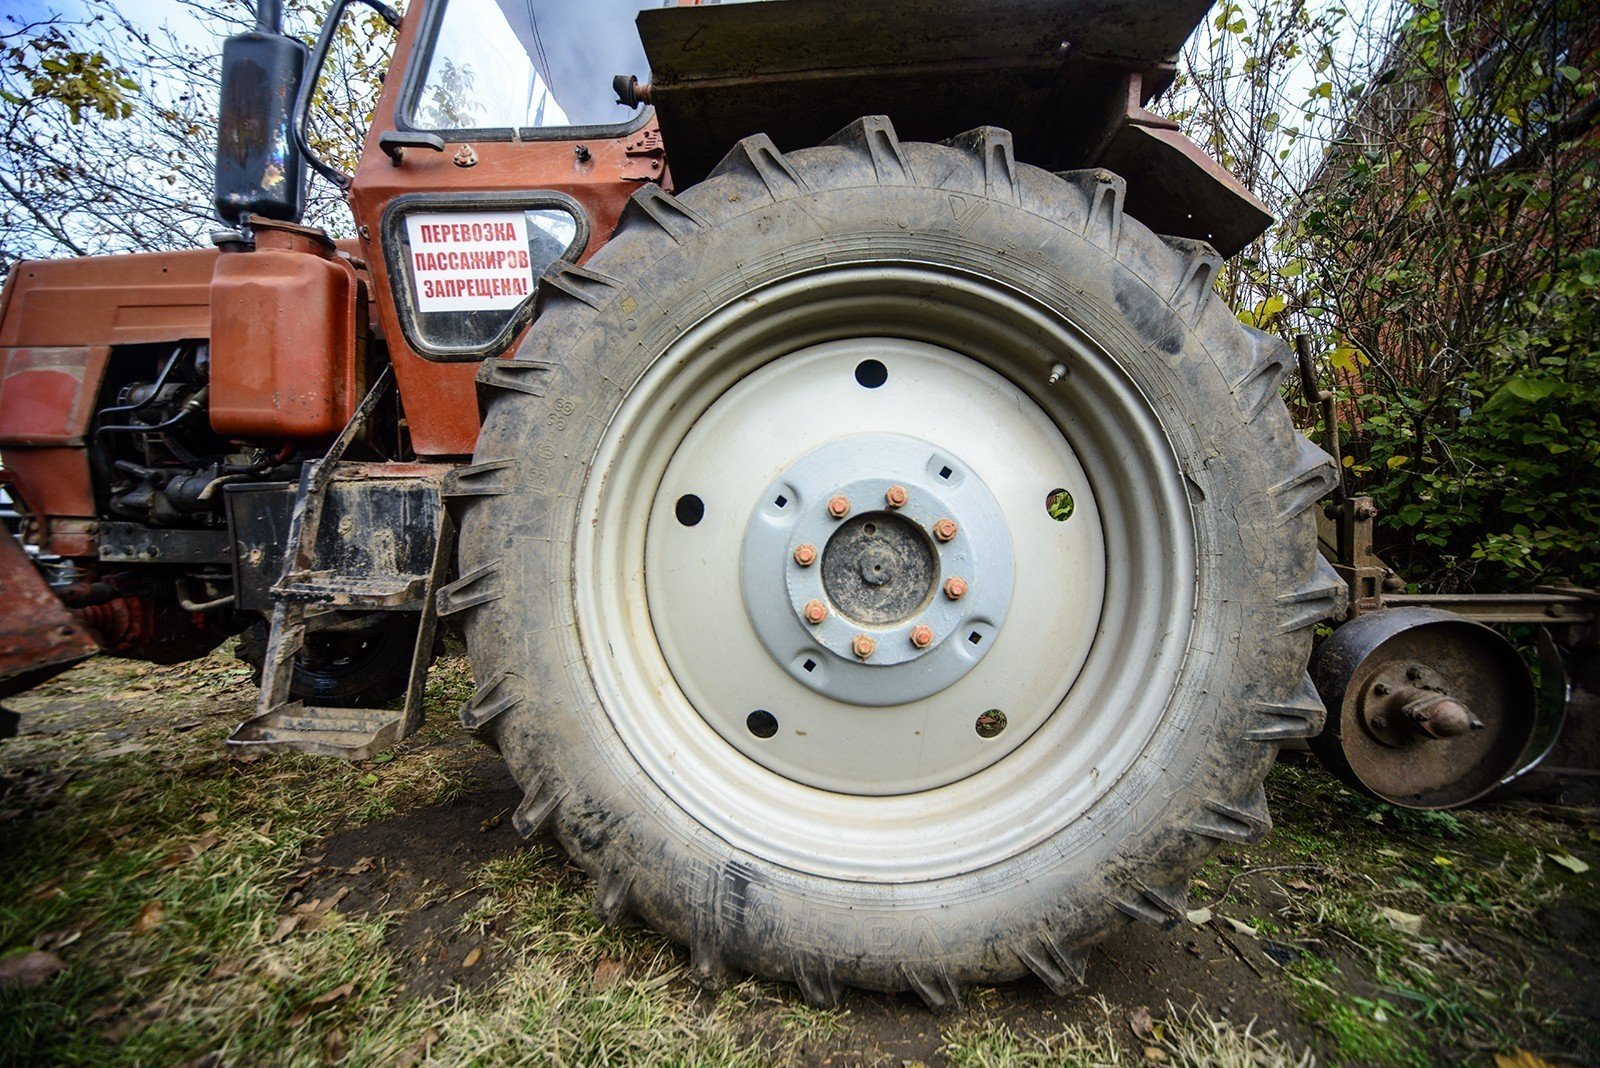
(864, 198)
(344, 669)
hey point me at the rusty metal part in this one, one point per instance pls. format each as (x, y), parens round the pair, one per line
(815, 612)
(944, 529)
(1547, 608)
(896, 496)
(466, 156)
(805, 555)
(863, 646)
(1426, 709)
(838, 507)
(800, 70)
(921, 637)
(1173, 186)
(643, 157)
(39, 636)
(955, 588)
(1391, 713)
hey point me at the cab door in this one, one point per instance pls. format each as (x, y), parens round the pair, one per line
(497, 147)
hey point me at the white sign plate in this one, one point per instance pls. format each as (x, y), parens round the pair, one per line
(470, 260)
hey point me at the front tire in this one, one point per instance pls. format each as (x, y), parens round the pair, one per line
(941, 319)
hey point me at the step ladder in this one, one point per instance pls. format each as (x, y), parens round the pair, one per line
(363, 537)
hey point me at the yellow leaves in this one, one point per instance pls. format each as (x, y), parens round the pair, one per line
(1346, 359)
(1396, 461)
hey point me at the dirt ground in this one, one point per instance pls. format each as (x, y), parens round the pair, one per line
(180, 907)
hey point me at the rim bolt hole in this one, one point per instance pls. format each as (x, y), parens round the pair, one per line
(690, 509)
(990, 723)
(762, 724)
(871, 374)
(1058, 504)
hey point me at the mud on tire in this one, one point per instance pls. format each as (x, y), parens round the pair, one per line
(1156, 729)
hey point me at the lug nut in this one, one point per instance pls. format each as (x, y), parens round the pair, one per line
(815, 612)
(863, 646)
(955, 588)
(944, 529)
(839, 506)
(921, 637)
(805, 555)
(897, 496)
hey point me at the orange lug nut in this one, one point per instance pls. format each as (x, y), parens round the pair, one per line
(897, 496)
(921, 637)
(839, 506)
(805, 555)
(863, 646)
(944, 529)
(815, 612)
(955, 588)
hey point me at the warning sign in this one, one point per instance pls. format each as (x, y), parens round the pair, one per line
(470, 260)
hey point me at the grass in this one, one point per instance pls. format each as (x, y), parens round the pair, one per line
(161, 873)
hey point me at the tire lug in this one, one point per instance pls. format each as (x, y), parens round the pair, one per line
(897, 496)
(839, 506)
(815, 612)
(863, 646)
(805, 555)
(944, 529)
(955, 588)
(921, 636)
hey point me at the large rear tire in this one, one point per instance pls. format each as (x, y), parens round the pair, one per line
(1077, 729)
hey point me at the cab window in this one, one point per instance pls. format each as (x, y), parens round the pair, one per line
(528, 65)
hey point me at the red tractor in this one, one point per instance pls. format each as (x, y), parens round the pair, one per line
(883, 560)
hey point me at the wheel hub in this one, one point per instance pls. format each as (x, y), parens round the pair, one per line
(881, 570)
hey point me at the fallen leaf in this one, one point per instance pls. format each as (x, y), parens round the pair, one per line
(361, 866)
(607, 974)
(321, 1001)
(1520, 1059)
(149, 918)
(30, 969)
(207, 817)
(491, 823)
(1154, 1054)
(418, 1050)
(335, 1046)
(1240, 927)
(1140, 1023)
(1569, 862)
(226, 969)
(178, 857)
(1301, 886)
(1199, 916)
(286, 926)
(1402, 921)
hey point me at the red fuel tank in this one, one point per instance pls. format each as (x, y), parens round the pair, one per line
(288, 337)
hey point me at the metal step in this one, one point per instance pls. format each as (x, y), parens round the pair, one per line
(330, 588)
(347, 733)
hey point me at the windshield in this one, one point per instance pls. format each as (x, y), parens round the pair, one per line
(529, 64)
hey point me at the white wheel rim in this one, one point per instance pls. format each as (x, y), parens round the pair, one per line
(1083, 663)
